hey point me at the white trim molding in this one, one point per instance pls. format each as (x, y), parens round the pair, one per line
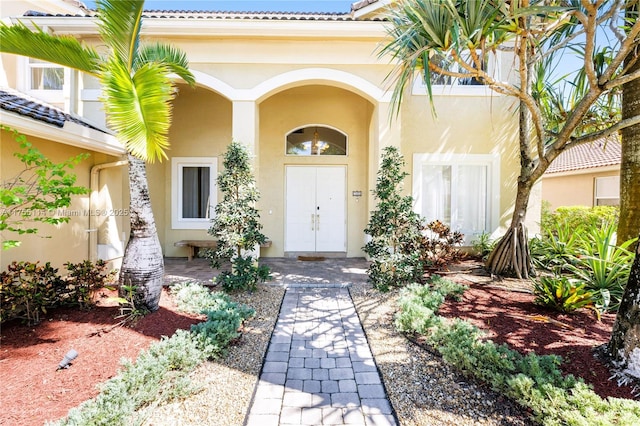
(177, 164)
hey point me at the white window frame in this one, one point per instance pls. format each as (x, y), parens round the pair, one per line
(454, 89)
(61, 98)
(177, 164)
(491, 161)
(597, 197)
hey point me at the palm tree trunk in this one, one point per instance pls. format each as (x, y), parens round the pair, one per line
(143, 264)
(630, 164)
(625, 337)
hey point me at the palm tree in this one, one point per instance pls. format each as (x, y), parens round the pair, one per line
(467, 32)
(137, 95)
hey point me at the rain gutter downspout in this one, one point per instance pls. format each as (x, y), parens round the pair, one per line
(93, 200)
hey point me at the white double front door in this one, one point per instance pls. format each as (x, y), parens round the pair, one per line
(316, 209)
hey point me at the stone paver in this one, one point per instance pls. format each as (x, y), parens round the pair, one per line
(319, 368)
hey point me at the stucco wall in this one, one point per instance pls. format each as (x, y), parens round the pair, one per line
(572, 189)
(321, 105)
(467, 125)
(71, 242)
(201, 127)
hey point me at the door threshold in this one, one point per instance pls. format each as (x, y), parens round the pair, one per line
(316, 254)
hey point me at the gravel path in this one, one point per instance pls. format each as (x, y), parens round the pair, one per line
(421, 387)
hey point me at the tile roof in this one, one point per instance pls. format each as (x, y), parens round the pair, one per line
(362, 4)
(221, 15)
(19, 103)
(597, 154)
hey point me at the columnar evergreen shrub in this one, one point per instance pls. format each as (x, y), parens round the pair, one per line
(236, 223)
(394, 228)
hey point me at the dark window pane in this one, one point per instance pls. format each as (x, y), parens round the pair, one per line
(195, 192)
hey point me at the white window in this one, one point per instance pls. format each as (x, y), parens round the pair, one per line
(46, 81)
(461, 190)
(446, 85)
(607, 191)
(193, 191)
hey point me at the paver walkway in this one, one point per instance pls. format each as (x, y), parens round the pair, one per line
(319, 369)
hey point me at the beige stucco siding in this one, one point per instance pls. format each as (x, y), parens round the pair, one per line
(296, 108)
(71, 242)
(465, 125)
(572, 189)
(201, 127)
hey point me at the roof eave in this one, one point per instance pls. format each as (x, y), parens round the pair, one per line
(71, 134)
(347, 29)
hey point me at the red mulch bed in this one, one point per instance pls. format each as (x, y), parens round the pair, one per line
(33, 392)
(511, 317)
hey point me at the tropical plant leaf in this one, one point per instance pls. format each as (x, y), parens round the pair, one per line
(119, 25)
(67, 51)
(138, 107)
(174, 58)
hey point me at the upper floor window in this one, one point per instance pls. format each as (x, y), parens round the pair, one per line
(448, 64)
(45, 81)
(45, 75)
(447, 85)
(316, 140)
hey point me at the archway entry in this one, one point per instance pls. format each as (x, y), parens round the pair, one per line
(315, 212)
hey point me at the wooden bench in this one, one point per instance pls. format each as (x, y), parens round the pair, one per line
(193, 245)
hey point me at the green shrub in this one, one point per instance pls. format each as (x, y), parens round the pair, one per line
(576, 217)
(562, 294)
(483, 245)
(395, 229)
(556, 248)
(439, 244)
(602, 266)
(534, 381)
(245, 275)
(28, 289)
(84, 279)
(449, 289)
(419, 304)
(161, 373)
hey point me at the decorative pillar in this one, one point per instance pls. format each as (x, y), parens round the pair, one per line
(244, 129)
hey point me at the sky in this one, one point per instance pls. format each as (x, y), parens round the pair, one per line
(342, 6)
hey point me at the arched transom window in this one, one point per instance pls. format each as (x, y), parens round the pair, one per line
(316, 140)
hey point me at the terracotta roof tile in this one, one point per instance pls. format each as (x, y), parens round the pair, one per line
(362, 4)
(217, 15)
(597, 154)
(19, 103)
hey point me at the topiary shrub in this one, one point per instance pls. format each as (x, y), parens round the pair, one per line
(394, 228)
(236, 223)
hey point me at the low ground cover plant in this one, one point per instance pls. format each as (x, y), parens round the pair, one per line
(28, 289)
(534, 381)
(161, 373)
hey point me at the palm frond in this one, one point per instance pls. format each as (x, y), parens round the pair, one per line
(119, 25)
(64, 50)
(138, 107)
(171, 56)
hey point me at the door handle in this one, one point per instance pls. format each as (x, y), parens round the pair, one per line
(313, 222)
(317, 222)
